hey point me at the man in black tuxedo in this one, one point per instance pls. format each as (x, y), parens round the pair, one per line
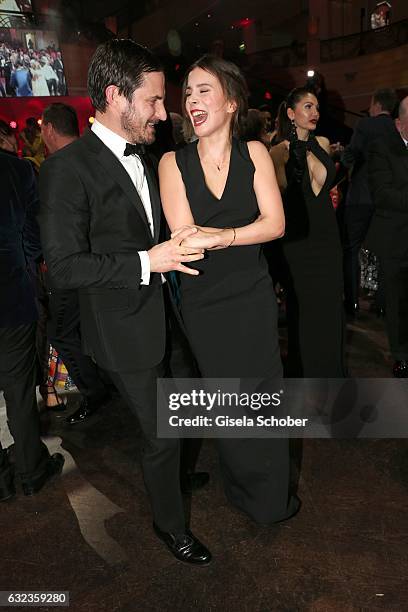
(100, 226)
(20, 247)
(359, 206)
(388, 235)
(59, 128)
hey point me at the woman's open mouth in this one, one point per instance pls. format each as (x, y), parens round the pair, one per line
(198, 116)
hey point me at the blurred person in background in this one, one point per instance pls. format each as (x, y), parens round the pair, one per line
(359, 205)
(388, 233)
(20, 250)
(59, 128)
(311, 246)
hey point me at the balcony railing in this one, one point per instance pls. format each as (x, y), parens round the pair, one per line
(371, 41)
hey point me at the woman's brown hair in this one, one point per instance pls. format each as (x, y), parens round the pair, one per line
(233, 85)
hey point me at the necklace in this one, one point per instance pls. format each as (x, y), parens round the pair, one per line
(219, 165)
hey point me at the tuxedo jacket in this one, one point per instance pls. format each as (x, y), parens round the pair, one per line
(93, 224)
(355, 155)
(388, 180)
(19, 241)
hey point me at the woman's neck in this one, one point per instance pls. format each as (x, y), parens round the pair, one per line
(302, 133)
(216, 145)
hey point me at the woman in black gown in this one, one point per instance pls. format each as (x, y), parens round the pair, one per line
(311, 245)
(227, 189)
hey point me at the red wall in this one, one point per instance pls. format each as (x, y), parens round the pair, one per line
(18, 109)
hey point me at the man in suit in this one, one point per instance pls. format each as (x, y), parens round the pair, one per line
(100, 226)
(359, 206)
(59, 69)
(20, 247)
(59, 128)
(388, 234)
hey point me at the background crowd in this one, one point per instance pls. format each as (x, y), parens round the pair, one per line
(26, 71)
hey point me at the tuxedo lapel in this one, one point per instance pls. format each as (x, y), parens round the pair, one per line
(154, 192)
(115, 169)
(113, 166)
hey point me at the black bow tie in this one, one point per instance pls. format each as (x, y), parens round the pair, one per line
(134, 149)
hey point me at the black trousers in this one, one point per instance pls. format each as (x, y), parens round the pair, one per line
(160, 457)
(64, 333)
(18, 373)
(164, 461)
(356, 222)
(396, 306)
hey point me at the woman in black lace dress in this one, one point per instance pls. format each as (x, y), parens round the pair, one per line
(311, 245)
(228, 190)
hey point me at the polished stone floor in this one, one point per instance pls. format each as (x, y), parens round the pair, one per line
(89, 533)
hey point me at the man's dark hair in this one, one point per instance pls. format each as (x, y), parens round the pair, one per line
(265, 108)
(254, 125)
(120, 62)
(387, 99)
(63, 119)
(5, 129)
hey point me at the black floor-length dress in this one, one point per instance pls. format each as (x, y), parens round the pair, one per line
(313, 254)
(230, 315)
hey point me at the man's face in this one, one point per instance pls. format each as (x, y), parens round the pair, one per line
(140, 116)
(47, 133)
(402, 122)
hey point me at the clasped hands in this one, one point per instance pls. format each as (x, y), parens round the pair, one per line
(187, 244)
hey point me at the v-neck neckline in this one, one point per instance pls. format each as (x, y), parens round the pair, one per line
(203, 174)
(309, 181)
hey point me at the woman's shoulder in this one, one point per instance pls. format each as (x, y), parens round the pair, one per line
(167, 159)
(324, 143)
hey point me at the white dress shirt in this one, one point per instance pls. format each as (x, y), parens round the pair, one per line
(134, 167)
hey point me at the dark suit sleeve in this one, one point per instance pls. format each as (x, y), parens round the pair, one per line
(354, 152)
(386, 194)
(31, 231)
(65, 222)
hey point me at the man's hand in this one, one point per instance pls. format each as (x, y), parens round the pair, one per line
(170, 255)
(206, 239)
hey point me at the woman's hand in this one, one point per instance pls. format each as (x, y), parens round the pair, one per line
(203, 239)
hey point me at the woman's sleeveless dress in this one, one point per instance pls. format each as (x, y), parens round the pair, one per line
(230, 315)
(313, 254)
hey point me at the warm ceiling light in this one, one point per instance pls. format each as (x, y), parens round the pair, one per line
(91, 119)
(310, 74)
(39, 121)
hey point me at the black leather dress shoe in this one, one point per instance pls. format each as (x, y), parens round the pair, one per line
(53, 468)
(86, 409)
(194, 481)
(185, 547)
(400, 369)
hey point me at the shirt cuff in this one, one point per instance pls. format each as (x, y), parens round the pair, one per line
(145, 264)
